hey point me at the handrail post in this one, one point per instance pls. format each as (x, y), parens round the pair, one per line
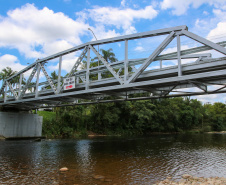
(37, 81)
(59, 75)
(179, 56)
(126, 61)
(87, 68)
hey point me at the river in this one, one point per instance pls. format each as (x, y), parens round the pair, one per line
(112, 160)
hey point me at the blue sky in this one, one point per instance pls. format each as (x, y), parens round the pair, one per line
(35, 29)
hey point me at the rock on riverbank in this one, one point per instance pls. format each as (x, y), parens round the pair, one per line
(188, 179)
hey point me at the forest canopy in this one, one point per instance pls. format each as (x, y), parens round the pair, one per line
(135, 118)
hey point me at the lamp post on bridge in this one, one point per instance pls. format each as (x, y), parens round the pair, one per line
(99, 74)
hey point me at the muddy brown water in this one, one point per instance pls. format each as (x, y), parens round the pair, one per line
(113, 160)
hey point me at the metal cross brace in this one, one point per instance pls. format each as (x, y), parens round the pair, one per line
(107, 65)
(12, 90)
(151, 58)
(79, 60)
(28, 81)
(200, 85)
(204, 41)
(48, 78)
(165, 93)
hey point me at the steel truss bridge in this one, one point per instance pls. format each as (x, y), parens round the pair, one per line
(202, 73)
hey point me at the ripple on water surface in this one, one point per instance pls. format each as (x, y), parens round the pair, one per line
(112, 160)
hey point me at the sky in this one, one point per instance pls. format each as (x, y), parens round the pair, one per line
(35, 29)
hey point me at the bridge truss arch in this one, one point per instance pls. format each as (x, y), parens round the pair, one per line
(129, 79)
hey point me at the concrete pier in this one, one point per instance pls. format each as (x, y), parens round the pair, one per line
(19, 125)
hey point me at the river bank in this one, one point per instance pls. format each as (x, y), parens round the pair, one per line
(222, 132)
(90, 134)
(188, 179)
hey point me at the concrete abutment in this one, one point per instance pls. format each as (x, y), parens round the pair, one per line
(20, 125)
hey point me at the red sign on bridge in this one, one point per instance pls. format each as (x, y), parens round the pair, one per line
(69, 83)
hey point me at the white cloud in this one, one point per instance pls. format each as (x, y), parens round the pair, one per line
(218, 33)
(139, 49)
(101, 32)
(121, 18)
(152, 67)
(123, 3)
(206, 13)
(215, 27)
(10, 61)
(180, 7)
(56, 46)
(37, 33)
(173, 49)
(221, 15)
(31, 31)
(67, 64)
(212, 28)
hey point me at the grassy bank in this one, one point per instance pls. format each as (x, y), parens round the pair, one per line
(54, 127)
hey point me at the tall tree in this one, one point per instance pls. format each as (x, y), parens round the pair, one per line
(8, 72)
(108, 55)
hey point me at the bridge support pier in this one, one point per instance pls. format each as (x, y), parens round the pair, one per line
(20, 125)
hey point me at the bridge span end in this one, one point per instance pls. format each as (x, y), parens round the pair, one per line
(20, 125)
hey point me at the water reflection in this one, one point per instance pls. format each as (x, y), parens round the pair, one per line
(118, 160)
(83, 153)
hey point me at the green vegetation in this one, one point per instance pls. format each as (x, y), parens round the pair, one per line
(135, 118)
(8, 72)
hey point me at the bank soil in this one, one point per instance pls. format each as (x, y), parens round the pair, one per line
(188, 179)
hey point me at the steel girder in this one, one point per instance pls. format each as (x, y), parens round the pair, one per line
(163, 82)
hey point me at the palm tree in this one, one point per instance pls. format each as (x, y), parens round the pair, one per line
(6, 73)
(108, 55)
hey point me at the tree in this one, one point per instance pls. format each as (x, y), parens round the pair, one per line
(108, 55)
(217, 115)
(104, 117)
(8, 72)
(54, 75)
